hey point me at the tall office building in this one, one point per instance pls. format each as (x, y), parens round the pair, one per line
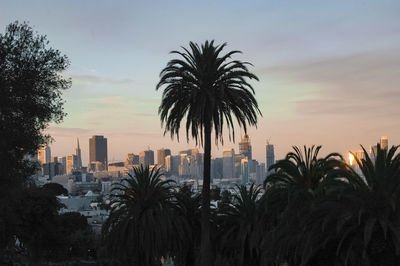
(384, 143)
(72, 163)
(260, 173)
(228, 156)
(245, 147)
(78, 154)
(217, 168)
(44, 154)
(63, 162)
(98, 150)
(270, 156)
(146, 158)
(185, 165)
(161, 154)
(131, 159)
(245, 171)
(172, 164)
(237, 172)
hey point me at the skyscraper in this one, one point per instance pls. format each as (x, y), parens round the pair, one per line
(245, 147)
(228, 163)
(146, 158)
(260, 174)
(384, 142)
(98, 150)
(44, 154)
(161, 154)
(270, 156)
(132, 159)
(78, 154)
(245, 171)
(72, 162)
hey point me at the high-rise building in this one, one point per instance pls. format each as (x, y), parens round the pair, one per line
(146, 158)
(245, 171)
(161, 154)
(228, 163)
(98, 150)
(175, 162)
(44, 154)
(384, 143)
(185, 165)
(131, 159)
(63, 162)
(237, 172)
(217, 168)
(245, 147)
(72, 163)
(270, 155)
(78, 154)
(260, 174)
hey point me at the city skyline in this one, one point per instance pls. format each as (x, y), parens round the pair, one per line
(329, 79)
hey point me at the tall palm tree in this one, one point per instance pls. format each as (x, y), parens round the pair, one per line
(208, 90)
(141, 225)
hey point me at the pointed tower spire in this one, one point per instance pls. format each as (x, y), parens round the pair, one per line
(78, 154)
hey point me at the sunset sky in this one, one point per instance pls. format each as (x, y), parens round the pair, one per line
(329, 70)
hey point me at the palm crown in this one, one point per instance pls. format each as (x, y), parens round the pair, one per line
(207, 88)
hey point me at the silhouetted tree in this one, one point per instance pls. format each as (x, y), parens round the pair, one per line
(47, 235)
(241, 228)
(188, 215)
(30, 98)
(290, 191)
(208, 90)
(361, 222)
(56, 189)
(141, 226)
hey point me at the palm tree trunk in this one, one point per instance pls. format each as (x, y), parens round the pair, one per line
(205, 251)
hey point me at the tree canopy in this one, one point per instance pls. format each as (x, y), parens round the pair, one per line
(31, 87)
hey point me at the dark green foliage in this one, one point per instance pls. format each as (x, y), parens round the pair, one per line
(241, 227)
(300, 177)
(37, 218)
(30, 98)
(188, 214)
(215, 194)
(78, 237)
(45, 234)
(207, 90)
(141, 228)
(56, 189)
(355, 223)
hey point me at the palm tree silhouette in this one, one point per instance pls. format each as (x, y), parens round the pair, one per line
(141, 227)
(208, 89)
(241, 226)
(297, 180)
(301, 176)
